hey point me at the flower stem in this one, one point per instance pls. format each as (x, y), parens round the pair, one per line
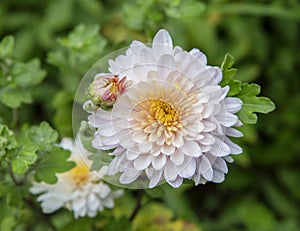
(138, 204)
(46, 219)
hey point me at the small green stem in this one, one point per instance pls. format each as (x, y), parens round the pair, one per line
(37, 210)
(13, 177)
(138, 205)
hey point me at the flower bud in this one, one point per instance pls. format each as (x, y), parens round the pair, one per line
(105, 90)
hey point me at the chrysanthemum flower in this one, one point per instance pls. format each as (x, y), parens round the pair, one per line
(173, 122)
(79, 189)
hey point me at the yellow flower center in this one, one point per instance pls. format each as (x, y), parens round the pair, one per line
(163, 112)
(79, 174)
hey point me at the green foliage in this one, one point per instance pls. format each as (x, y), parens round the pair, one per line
(24, 158)
(252, 103)
(157, 217)
(53, 162)
(7, 140)
(42, 134)
(76, 53)
(17, 78)
(246, 92)
(228, 75)
(55, 42)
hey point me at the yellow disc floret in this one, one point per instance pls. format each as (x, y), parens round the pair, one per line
(163, 112)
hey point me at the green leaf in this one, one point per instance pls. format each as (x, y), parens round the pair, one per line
(28, 74)
(7, 46)
(7, 140)
(52, 163)
(62, 102)
(228, 75)
(252, 103)
(118, 224)
(42, 134)
(14, 97)
(25, 157)
(83, 223)
(157, 192)
(227, 62)
(8, 223)
(99, 159)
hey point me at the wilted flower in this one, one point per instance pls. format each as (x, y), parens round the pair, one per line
(78, 189)
(173, 122)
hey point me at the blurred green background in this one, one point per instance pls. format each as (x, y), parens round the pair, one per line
(262, 189)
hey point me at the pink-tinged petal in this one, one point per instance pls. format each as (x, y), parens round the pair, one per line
(170, 171)
(196, 53)
(233, 105)
(129, 175)
(191, 148)
(182, 59)
(208, 126)
(234, 148)
(218, 177)
(233, 132)
(219, 148)
(188, 169)
(162, 43)
(167, 149)
(229, 159)
(220, 165)
(176, 183)
(140, 137)
(207, 139)
(159, 162)
(166, 64)
(145, 147)
(155, 178)
(131, 155)
(148, 56)
(227, 119)
(142, 161)
(205, 168)
(178, 157)
(127, 141)
(178, 140)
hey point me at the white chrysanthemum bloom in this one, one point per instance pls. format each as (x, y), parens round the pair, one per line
(78, 189)
(173, 122)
